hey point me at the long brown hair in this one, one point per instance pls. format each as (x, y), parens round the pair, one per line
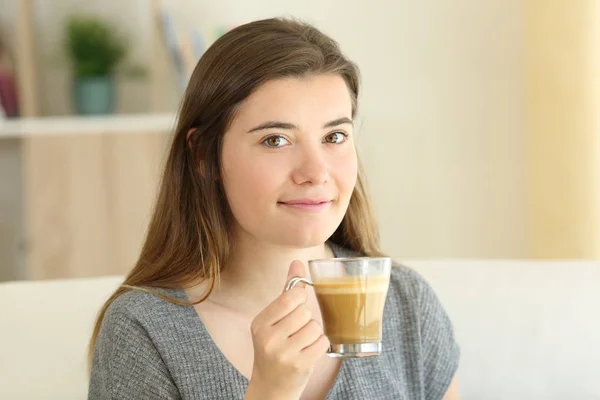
(188, 238)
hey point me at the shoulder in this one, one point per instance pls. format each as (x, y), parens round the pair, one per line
(134, 303)
(136, 320)
(128, 360)
(416, 306)
(411, 293)
(408, 284)
(141, 308)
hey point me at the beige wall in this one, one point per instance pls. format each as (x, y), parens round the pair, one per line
(563, 130)
(441, 121)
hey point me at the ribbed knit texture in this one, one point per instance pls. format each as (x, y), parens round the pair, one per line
(149, 348)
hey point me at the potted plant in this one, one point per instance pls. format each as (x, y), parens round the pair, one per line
(95, 50)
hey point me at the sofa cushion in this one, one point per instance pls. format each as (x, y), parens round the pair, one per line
(527, 329)
(45, 327)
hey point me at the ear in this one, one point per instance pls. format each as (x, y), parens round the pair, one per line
(199, 162)
(188, 137)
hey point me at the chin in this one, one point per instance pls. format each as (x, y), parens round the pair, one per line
(302, 239)
(297, 233)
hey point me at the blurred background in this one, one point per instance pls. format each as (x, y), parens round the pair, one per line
(479, 123)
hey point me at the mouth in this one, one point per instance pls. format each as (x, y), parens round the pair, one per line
(307, 204)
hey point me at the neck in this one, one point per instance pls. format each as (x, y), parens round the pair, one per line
(256, 273)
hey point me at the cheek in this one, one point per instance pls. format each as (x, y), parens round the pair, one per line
(248, 180)
(346, 170)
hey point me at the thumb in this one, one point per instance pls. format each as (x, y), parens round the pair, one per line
(296, 269)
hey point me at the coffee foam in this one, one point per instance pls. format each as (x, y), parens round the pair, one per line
(351, 285)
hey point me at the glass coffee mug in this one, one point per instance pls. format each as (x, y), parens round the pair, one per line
(351, 293)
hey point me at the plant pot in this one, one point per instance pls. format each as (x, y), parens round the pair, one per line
(94, 95)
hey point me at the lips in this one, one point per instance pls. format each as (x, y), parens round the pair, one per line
(309, 204)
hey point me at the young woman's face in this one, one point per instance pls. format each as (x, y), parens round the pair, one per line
(289, 164)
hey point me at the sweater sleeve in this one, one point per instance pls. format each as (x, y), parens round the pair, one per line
(440, 350)
(126, 363)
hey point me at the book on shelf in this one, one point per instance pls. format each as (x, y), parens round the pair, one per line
(9, 101)
(8, 94)
(184, 46)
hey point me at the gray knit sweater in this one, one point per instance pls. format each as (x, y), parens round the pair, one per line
(149, 348)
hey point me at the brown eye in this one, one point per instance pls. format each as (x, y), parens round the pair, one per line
(336, 137)
(275, 141)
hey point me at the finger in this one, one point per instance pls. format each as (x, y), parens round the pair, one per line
(306, 336)
(317, 349)
(296, 269)
(294, 321)
(285, 304)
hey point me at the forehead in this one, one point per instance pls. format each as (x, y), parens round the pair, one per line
(313, 99)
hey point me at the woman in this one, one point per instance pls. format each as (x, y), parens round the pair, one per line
(262, 176)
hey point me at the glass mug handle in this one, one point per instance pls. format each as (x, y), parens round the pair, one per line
(294, 281)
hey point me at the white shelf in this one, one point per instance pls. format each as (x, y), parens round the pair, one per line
(78, 125)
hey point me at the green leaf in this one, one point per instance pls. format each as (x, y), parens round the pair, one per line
(94, 46)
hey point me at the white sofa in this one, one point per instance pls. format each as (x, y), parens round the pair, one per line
(528, 330)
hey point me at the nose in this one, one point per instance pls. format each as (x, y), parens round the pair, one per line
(311, 167)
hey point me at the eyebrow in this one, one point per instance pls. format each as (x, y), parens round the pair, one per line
(288, 126)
